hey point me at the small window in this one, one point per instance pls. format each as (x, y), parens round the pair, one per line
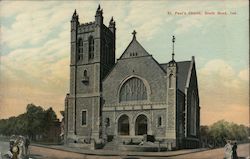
(107, 122)
(84, 117)
(159, 121)
(85, 74)
(85, 78)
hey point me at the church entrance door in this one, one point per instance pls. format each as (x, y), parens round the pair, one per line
(141, 125)
(123, 125)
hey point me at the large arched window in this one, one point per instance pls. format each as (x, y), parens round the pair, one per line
(80, 49)
(133, 90)
(91, 47)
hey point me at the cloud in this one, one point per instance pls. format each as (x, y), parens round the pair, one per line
(186, 23)
(219, 69)
(148, 18)
(222, 92)
(244, 75)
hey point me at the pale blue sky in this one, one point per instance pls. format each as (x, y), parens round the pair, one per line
(35, 48)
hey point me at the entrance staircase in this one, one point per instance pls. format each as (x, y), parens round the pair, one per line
(111, 145)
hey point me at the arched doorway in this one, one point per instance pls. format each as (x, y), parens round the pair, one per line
(141, 125)
(123, 125)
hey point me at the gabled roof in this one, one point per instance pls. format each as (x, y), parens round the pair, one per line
(134, 49)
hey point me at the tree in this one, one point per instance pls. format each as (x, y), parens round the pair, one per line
(49, 119)
(35, 121)
(222, 130)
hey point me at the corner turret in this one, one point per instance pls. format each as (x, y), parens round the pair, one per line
(112, 25)
(74, 27)
(74, 17)
(98, 16)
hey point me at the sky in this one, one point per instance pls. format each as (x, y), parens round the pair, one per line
(35, 49)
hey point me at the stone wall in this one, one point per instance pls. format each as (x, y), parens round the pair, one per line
(151, 114)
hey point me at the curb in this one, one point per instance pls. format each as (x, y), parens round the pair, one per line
(74, 151)
(124, 153)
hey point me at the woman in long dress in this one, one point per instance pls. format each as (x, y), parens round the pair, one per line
(228, 150)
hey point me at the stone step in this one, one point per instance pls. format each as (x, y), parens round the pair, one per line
(110, 145)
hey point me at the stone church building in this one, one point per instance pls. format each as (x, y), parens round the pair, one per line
(125, 99)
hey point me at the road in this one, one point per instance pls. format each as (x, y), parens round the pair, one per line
(243, 153)
(45, 153)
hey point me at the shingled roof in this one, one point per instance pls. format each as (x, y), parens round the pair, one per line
(183, 69)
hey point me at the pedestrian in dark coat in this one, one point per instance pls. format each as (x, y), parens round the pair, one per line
(27, 143)
(234, 149)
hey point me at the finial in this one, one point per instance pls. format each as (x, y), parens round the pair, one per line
(111, 20)
(74, 14)
(134, 33)
(173, 40)
(99, 7)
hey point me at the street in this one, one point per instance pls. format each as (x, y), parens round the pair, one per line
(243, 152)
(46, 153)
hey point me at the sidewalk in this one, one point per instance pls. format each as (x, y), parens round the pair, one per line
(101, 152)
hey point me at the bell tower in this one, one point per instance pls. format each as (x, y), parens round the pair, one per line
(171, 100)
(92, 57)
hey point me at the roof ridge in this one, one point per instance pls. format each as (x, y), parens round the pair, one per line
(134, 40)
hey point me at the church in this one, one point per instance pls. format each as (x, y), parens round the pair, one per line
(127, 98)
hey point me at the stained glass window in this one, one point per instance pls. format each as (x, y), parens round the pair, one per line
(133, 90)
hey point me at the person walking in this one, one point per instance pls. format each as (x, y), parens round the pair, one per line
(26, 144)
(234, 150)
(228, 150)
